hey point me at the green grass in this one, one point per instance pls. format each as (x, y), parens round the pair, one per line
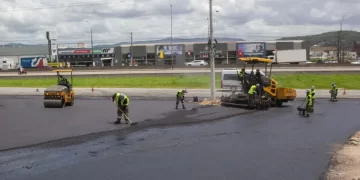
(300, 81)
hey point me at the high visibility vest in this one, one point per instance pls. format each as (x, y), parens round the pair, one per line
(309, 100)
(161, 54)
(241, 73)
(312, 92)
(252, 89)
(121, 97)
(180, 93)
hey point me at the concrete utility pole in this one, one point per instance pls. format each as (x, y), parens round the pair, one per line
(131, 49)
(340, 48)
(212, 63)
(171, 45)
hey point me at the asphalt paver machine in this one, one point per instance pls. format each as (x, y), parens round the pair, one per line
(270, 94)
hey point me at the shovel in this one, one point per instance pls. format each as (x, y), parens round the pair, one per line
(131, 123)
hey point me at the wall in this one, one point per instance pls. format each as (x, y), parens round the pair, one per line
(284, 45)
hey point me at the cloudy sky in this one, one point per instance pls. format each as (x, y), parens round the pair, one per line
(112, 21)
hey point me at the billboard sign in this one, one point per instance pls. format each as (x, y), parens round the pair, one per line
(166, 50)
(203, 49)
(251, 49)
(33, 62)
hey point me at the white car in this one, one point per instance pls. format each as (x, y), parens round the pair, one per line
(197, 63)
(355, 62)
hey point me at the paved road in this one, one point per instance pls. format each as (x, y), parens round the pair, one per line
(185, 71)
(161, 93)
(24, 120)
(276, 144)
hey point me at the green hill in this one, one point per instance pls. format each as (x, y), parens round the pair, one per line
(329, 38)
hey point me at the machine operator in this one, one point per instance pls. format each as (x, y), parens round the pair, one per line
(122, 104)
(180, 96)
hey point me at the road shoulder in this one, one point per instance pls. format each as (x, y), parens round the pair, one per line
(344, 165)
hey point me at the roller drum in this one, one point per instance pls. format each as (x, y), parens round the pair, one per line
(53, 103)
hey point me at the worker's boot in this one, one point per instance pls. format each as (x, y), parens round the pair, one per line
(176, 107)
(118, 121)
(184, 107)
(126, 121)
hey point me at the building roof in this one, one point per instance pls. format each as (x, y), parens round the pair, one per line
(191, 43)
(24, 50)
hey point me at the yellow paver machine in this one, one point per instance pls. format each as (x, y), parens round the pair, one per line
(62, 94)
(272, 94)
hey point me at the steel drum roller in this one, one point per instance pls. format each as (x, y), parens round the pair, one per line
(53, 103)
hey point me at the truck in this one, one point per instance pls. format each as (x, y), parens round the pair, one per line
(294, 56)
(33, 62)
(6, 64)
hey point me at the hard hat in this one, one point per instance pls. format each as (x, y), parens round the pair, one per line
(307, 91)
(257, 85)
(313, 87)
(184, 91)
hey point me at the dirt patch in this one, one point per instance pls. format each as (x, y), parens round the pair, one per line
(345, 163)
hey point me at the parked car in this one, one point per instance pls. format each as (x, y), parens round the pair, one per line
(355, 62)
(197, 63)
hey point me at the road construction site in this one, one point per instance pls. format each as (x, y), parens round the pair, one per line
(78, 142)
(160, 72)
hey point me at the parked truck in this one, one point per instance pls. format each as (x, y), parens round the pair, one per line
(33, 62)
(294, 56)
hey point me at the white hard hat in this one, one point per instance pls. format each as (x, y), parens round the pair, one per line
(313, 87)
(307, 91)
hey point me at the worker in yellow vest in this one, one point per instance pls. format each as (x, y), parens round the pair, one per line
(251, 94)
(122, 103)
(180, 96)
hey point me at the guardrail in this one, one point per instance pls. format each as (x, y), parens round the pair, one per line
(186, 67)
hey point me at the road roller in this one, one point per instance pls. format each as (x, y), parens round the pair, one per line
(62, 94)
(271, 94)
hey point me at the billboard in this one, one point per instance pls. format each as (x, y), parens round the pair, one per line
(203, 49)
(251, 49)
(33, 62)
(166, 50)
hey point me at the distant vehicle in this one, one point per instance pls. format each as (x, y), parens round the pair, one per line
(33, 62)
(355, 62)
(197, 63)
(294, 56)
(230, 79)
(308, 62)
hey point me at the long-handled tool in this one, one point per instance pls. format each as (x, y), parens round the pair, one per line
(131, 123)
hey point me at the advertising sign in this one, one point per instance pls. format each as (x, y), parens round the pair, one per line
(251, 49)
(203, 49)
(82, 51)
(33, 62)
(166, 50)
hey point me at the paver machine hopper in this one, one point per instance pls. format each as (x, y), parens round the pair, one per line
(61, 94)
(271, 94)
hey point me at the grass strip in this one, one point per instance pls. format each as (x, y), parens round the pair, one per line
(298, 81)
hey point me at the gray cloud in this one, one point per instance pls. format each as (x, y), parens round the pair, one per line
(112, 21)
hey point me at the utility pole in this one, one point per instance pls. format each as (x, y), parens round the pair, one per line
(171, 46)
(340, 46)
(212, 63)
(92, 47)
(131, 49)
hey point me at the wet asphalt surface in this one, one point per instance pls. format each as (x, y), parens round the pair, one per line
(275, 144)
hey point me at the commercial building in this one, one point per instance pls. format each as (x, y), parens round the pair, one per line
(156, 54)
(14, 54)
(225, 52)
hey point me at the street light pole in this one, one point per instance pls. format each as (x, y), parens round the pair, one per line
(340, 41)
(92, 47)
(212, 64)
(171, 46)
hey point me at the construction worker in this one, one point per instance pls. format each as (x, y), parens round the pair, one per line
(312, 92)
(309, 106)
(241, 74)
(180, 96)
(333, 92)
(122, 104)
(251, 94)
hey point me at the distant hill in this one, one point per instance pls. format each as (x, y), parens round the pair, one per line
(166, 40)
(329, 38)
